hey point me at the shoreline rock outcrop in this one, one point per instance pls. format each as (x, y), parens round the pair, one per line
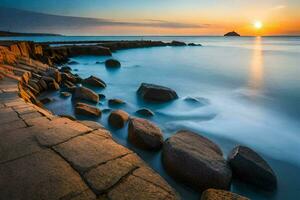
(94, 81)
(250, 167)
(144, 134)
(156, 93)
(118, 118)
(196, 161)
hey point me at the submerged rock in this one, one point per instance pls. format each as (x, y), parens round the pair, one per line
(144, 134)
(115, 102)
(65, 69)
(83, 93)
(85, 109)
(213, 194)
(46, 100)
(145, 112)
(118, 118)
(152, 92)
(65, 94)
(193, 44)
(101, 96)
(250, 167)
(94, 81)
(177, 43)
(73, 63)
(196, 161)
(113, 63)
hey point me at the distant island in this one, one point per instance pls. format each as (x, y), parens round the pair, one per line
(232, 33)
(8, 33)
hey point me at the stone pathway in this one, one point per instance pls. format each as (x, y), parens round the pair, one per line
(43, 156)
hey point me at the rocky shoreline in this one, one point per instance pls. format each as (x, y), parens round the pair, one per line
(102, 168)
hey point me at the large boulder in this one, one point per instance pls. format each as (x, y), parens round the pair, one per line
(152, 92)
(144, 134)
(112, 63)
(85, 109)
(83, 93)
(213, 194)
(196, 161)
(118, 118)
(250, 167)
(94, 81)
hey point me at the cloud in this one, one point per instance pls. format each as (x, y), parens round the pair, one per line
(278, 7)
(21, 20)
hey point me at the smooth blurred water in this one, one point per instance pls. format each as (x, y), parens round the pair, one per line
(249, 92)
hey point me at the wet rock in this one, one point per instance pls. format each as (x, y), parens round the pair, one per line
(250, 167)
(43, 84)
(106, 110)
(46, 100)
(66, 69)
(193, 44)
(152, 92)
(101, 96)
(73, 63)
(197, 100)
(83, 93)
(34, 85)
(177, 43)
(94, 81)
(204, 166)
(85, 109)
(145, 112)
(213, 194)
(118, 118)
(113, 63)
(65, 94)
(53, 86)
(115, 102)
(144, 134)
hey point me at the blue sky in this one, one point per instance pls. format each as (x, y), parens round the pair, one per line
(220, 15)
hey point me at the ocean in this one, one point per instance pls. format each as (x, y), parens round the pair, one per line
(248, 92)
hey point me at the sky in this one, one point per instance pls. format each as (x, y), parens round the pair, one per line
(151, 17)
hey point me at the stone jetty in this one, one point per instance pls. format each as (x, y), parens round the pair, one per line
(44, 156)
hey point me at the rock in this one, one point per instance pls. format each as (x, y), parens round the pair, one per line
(46, 100)
(115, 102)
(250, 167)
(85, 109)
(106, 110)
(145, 112)
(233, 33)
(69, 117)
(51, 83)
(94, 81)
(193, 44)
(101, 96)
(91, 124)
(83, 93)
(73, 63)
(177, 43)
(144, 134)
(197, 100)
(152, 92)
(43, 84)
(53, 86)
(66, 69)
(75, 70)
(34, 85)
(113, 63)
(213, 194)
(204, 166)
(118, 118)
(65, 94)
(98, 62)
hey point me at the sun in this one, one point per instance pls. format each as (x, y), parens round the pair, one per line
(258, 24)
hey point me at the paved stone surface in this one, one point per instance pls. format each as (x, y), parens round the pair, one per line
(43, 175)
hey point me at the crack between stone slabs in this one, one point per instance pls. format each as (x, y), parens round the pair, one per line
(20, 157)
(169, 192)
(71, 195)
(27, 125)
(122, 179)
(81, 175)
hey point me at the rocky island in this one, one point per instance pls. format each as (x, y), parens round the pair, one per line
(232, 33)
(45, 156)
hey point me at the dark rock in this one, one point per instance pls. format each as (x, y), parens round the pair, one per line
(83, 93)
(75, 70)
(118, 118)
(194, 45)
(65, 94)
(85, 109)
(73, 63)
(46, 100)
(196, 161)
(250, 167)
(53, 86)
(43, 84)
(233, 33)
(213, 194)
(113, 63)
(97, 63)
(144, 134)
(145, 112)
(101, 96)
(106, 110)
(34, 85)
(94, 81)
(115, 102)
(157, 93)
(177, 43)
(65, 69)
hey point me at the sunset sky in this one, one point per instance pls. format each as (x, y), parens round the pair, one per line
(151, 17)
